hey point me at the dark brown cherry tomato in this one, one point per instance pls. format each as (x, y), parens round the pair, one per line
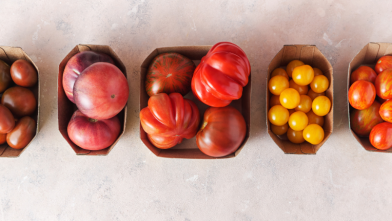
(22, 134)
(3, 138)
(7, 121)
(5, 77)
(23, 73)
(20, 101)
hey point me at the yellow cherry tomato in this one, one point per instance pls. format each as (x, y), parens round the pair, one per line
(291, 111)
(299, 88)
(315, 119)
(319, 84)
(289, 98)
(279, 130)
(277, 84)
(303, 75)
(317, 72)
(298, 121)
(281, 72)
(314, 134)
(274, 100)
(293, 64)
(278, 115)
(295, 136)
(305, 104)
(313, 94)
(321, 105)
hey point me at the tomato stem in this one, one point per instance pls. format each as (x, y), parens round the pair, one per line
(92, 120)
(203, 125)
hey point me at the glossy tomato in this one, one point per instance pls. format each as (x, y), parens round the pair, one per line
(386, 111)
(313, 94)
(317, 72)
(362, 121)
(314, 134)
(274, 100)
(381, 136)
(384, 84)
(302, 90)
(277, 84)
(222, 131)
(305, 104)
(221, 75)
(92, 134)
(279, 130)
(321, 105)
(7, 121)
(5, 77)
(101, 91)
(281, 72)
(290, 98)
(303, 75)
(385, 62)
(168, 119)
(23, 73)
(293, 64)
(363, 73)
(319, 84)
(278, 115)
(22, 134)
(315, 119)
(361, 94)
(20, 101)
(3, 138)
(295, 136)
(298, 121)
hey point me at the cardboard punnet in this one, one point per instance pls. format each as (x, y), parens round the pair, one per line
(367, 56)
(9, 55)
(66, 108)
(311, 55)
(188, 149)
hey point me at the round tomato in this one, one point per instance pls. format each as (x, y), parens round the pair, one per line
(3, 138)
(362, 121)
(361, 94)
(292, 111)
(293, 64)
(315, 119)
(314, 134)
(303, 75)
(386, 111)
(295, 136)
(363, 73)
(23, 73)
(274, 100)
(384, 84)
(20, 101)
(290, 98)
(317, 72)
(169, 73)
(298, 121)
(279, 130)
(385, 62)
(5, 77)
(302, 90)
(381, 136)
(278, 115)
(313, 94)
(222, 131)
(22, 133)
(278, 84)
(321, 105)
(281, 72)
(319, 84)
(305, 104)
(7, 121)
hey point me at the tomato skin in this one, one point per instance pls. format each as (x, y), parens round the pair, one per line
(278, 115)
(5, 76)
(169, 73)
(303, 75)
(22, 133)
(278, 84)
(221, 75)
(315, 119)
(321, 105)
(381, 136)
(20, 101)
(274, 100)
(313, 94)
(361, 94)
(384, 84)
(168, 119)
(385, 62)
(314, 134)
(23, 73)
(222, 132)
(279, 130)
(317, 72)
(281, 72)
(295, 136)
(7, 121)
(298, 121)
(363, 73)
(363, 121)
(319, 84)
(305, 104)
(3, 138)
(290, 98)
(91, 134)
(386, 111)
(293, 64)
(302, 90)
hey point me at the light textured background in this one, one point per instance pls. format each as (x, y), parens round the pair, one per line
(49, 182)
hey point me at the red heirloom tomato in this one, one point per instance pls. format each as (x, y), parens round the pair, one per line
(385, 62)
(384, 84)
(76, 65)
(222, 131)
(221, 75)
(101, 91)
(5, 77)
(363, 73)
(23, 73)
(22, 133)
(7, 121)
(386, 111)
(363, 121)
(3, 138)
(19, 100)
(168, 119)
(361, 94)
(92, 134)
(169, 73)
(381, 136)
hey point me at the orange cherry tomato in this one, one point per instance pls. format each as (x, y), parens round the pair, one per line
(291, 111)
(298, 121)
(321, 105)
(278, 130)
(277, 84)
(293, 64)
(274, 100)
(303, 75)
(314, 134)
(290, 98)
(281, 72)
(305, 104)
(295, 136)
(315, 119)
(278, 115)
(319, 84)
(313, 94)
(299, 88)
(317, 72)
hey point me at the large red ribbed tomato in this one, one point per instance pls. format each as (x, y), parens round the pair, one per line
(168, 119)
(222, 131)
(221, 75)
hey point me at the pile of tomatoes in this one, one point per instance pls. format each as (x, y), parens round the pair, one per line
(18, 103)
(295, 109)
(370, 95)
(216, 81)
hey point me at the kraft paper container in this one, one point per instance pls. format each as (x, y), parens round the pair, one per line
(311, 55)
(188, 148)
(66, 108)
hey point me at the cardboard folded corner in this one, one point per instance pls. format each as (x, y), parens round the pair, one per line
(9, 55)
(66, 108)
(188, 148)
(311, 55)
(367, 56)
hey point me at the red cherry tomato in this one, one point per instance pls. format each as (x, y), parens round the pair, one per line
(386, 111)
(3, 138)
(384, 84)
(383, 63)
(20, 101)
(7, 121)
(23, 73)
(361, 94)
(363, 121)
(22, 134)
(381, 136)
(363, 73)
(5, 77)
